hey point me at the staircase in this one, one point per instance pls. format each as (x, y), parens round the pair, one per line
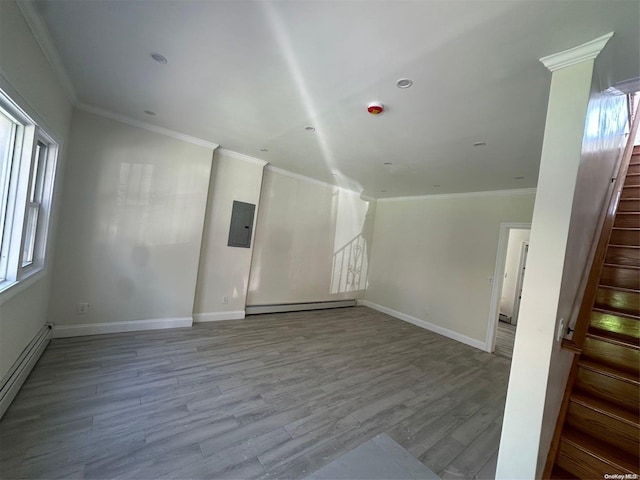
(601, 429)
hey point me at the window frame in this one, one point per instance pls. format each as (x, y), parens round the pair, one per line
(26, 172)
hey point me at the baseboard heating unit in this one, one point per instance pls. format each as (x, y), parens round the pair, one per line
(297, 307)
(22, 367)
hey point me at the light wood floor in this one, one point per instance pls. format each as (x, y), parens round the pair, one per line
(273, 396)
(505, 338)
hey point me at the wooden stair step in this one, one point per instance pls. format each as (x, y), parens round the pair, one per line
(606, 408)
(624, 276)
(623, 255)
(604, 421)
(623, 341)
(634, 167)
(627, 220)
(560, 474)
(610, 371)
(605, 382)
(629, 205)
(618, 300)
(623, 237)
(632, 179)
(630, 192)
(620, 330)
(635, 152)
(617, 325)
(604, 350)
(586, 457)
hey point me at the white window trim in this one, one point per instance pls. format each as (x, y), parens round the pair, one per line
(18, 278)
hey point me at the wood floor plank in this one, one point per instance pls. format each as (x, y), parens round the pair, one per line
(271, 396)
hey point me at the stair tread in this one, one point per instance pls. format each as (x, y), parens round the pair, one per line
(606, 408)
(610, 311)
(619, 289)
(618, 265)
(561, 474)
(600, 450)
(609, 371)
(616, 339)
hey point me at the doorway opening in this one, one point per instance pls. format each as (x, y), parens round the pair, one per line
(511, 260)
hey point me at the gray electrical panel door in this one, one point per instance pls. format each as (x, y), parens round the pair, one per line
(241, 224)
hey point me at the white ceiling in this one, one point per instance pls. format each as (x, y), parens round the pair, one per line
(251, 75)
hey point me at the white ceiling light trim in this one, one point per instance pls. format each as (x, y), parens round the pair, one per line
(438, 196)
(575, 55)
(147, 126)
(242, 156)
(43, 37)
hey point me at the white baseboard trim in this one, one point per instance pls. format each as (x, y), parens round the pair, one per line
(63, 331)
(12, 382)
(426, 325)
(217, 316)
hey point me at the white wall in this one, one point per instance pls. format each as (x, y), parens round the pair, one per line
(26, 75)
(521, 454)
(433, 258)
(312, 242)
(224, 270)
(511, 269)
(131, 227)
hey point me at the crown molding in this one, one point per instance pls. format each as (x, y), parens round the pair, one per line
(304, 178)
(298, 176)
(445, 196)
(147, 126)
(43, 37)
(29, 110)
(625, 87)
(242, 156)
(575, 55)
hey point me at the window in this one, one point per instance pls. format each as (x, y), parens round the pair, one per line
(27, 166)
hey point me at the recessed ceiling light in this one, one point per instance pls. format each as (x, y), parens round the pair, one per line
(310, 129)
(149, 112)
(436, 185)
(388, 163)
(264, 150)
(159, 58)
(404, 83)
(333, 174)
(480, 144)
(518, 178)
(383, 190)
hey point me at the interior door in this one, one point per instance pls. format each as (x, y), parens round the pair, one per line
(522, 269)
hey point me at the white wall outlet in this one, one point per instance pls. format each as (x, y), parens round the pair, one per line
(225, 299)
(83, 308)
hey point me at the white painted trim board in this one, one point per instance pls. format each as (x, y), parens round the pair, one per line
(445, 332)
(218, 316)
(83, 329)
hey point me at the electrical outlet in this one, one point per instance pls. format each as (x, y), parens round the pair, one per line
(83, 308)
(225, 299)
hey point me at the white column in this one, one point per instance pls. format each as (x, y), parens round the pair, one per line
(572, 73)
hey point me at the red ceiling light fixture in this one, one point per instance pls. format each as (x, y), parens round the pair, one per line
(375, 108)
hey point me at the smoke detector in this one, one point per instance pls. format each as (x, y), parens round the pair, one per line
(375, 108)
